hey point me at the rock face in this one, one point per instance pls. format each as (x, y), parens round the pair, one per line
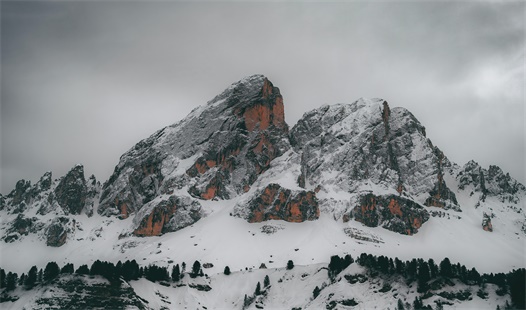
(172, 214)
(367, 142)
(391, 212)
(21, 226)
(489, 182)
(71, 192)
(57, 232)
(486, 223)
(277, 203)
(217, 151)
(35, 204)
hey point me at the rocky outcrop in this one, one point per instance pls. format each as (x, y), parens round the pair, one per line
(21, 226)
(441, 196)
(392, 212)
(21, 193)
(71, 192)
(368, 142)
(486, 223)
(57, 232)
(277, 203)
(172, 214)
(216, 152)
(490, 182)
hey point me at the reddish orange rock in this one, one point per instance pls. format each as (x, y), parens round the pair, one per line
(153, 224)
(392, 212)
(277, 203)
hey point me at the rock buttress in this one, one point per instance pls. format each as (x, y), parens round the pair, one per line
(391, 212)
(277, 203)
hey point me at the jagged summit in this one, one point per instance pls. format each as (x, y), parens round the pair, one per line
(215, 152)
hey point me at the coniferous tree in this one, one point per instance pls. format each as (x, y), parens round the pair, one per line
(130, 270)
(83, 269)
(423, 276)
(155, 273)
(2, 278)
(411, 269)
(316, 292)
(474, 276)
(445, 268)
(290, 264)
(31, 278)
(196, 269)
(433, 268)
(40, 277)
(245, 302)
(392, 269)
(383, 264)
(400, 305)
(517, 284)
(257, 292)
(227, 270)
(399, 266)
(266, 281)
(68, 268)
(176, 273)
(22, 279)
(11, 279)
(51, 271)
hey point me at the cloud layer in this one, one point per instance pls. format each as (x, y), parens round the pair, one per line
(84, 81)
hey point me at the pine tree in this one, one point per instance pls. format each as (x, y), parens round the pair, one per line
(196, 269)
(423, 277)
(22, 279)
(176, 273)
(433, 268)
(400, 305)
(11, 280)
(517, 284)
(40, 275)
(130, 270)
(31, 278)
(316, 292)
(51, 271)
(2, 278)
(266, 281)
(245, 302)
(68, 268)
(83, 270)
(257, 292)
(399, 266)
(227, 270)
(290, 264)
(445, 268)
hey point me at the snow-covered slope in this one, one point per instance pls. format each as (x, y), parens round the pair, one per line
(230, 185)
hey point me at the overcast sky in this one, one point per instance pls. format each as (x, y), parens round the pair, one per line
(83, 82)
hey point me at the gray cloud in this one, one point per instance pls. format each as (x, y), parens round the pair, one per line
(84, 81)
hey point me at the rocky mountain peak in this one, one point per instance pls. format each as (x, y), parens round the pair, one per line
(216, 152)
(72, 190)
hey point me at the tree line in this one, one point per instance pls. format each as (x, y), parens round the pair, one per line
(129, 270)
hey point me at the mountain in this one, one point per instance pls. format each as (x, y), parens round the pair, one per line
(230, 184)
